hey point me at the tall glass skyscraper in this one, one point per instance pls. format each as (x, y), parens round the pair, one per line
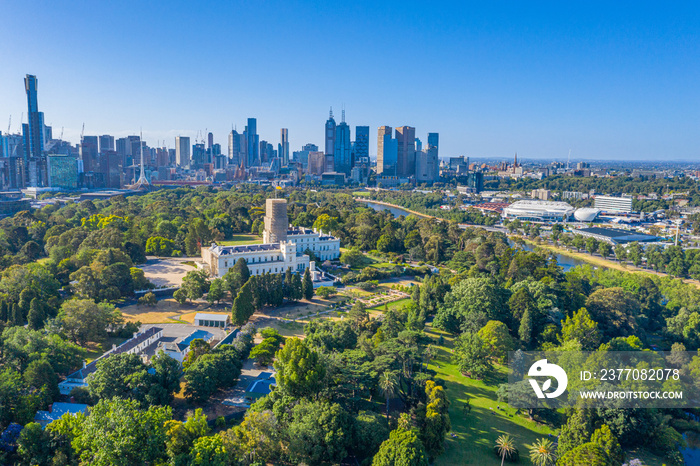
(35, 125)
(361, 141)
(253, 142)
(342, 162)
(283, 151)
(330, 134)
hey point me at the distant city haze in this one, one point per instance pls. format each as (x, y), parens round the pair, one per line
(606, 81)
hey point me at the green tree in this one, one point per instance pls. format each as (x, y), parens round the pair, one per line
(353, 257)
(605, 438)
(209, 451)
(40, 375)
(543, 452)
(264, 352)
(615, 310)
(505, 447)
(300, 370)
(139, 438)
(582, 328)
(319, 432)
(120, 375)
(496, 337)
(307, 285)
(216, 290)
(180, 436)
(472, 356)
(471, 300)
(243, 306)
(149, 299)
(85, 321)
(388, 384)
(198, 348)
(36, 315)
(165, 380)
(33, 445)
(195, 283)
(589, 453)
(237, 276)
(437, 419)
(402, 448)
(326, 223)
(326, 291)
(159, 246)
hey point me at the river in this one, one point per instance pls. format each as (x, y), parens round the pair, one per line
(565, 262)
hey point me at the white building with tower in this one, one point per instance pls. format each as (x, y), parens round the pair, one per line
(283, 247)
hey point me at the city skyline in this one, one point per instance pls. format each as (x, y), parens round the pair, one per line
(606, 81)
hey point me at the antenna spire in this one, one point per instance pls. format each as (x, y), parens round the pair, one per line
(331, 113)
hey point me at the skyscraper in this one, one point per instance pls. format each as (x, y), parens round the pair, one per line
(182, 151)
(106, 143)
(342, 160)
(361, 142)
(235, 146)
(382, 164)
(35, 125)
(406, 162)
(330, 134)
(210, 140)
(433, 139)
(88, 153)
(283, 151)
(253, 141)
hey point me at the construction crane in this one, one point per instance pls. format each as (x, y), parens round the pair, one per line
(9, 125)
(61, 138)
(81, 134)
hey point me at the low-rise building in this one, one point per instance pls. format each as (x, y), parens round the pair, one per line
(135, 345)
(178, 350)
(539, 211)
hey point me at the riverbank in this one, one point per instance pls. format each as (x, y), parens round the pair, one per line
(607, 263)
(394, 206)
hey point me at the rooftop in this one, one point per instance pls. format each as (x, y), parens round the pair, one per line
(196, 335)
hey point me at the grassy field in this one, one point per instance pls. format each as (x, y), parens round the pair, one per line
(239, 240)
(392, 305)
(476, 431)
(361, 193)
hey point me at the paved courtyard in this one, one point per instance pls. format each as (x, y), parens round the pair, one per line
(166, 271)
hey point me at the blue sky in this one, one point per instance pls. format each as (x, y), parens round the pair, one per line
(608, 80)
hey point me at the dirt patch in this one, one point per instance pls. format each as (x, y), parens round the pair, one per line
(169, 311)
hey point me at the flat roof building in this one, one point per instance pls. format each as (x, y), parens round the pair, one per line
(613, 204)
(614, 236)
(539, 211)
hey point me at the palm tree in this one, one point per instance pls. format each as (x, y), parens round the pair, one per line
(505, 446)
(542, 453)
(388, 384)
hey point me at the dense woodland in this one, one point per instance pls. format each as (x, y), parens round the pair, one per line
(358, 387)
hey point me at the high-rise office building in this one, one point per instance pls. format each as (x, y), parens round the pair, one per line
(182, 151)
(88, 153)
(62, 171)
(235, 146)
(35, 132)
(199, 156)
(419, 145)
(210, 140)
(283, 151)
(433, 141)
(406, 162)
(253, 142)
(386, 159)
(361, 142)
(106, 143)
(330, 134)
(342, 158)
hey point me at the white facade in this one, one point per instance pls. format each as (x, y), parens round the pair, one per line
(586, 214)
(539, 211)
(261, 258)
(613, 204)
(325, 247)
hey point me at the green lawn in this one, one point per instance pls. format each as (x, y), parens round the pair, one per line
(477, 431)
(361, 193)
(393, 305)
(239, 240)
